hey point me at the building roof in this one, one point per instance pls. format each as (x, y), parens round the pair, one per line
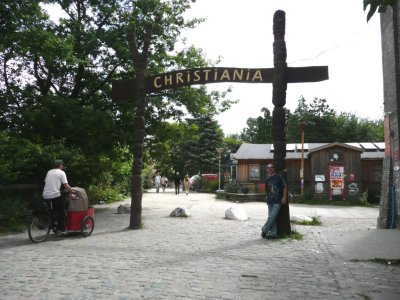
(253, 151)
(293, 151)
(351, 146)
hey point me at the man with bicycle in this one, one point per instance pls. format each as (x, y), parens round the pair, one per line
(54, 181)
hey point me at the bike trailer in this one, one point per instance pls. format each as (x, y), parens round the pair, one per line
(80, 217)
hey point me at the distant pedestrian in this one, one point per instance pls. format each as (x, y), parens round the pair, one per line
(157, 181)
(186, 183)
(177, 182)
(164, 182)
(276, 189)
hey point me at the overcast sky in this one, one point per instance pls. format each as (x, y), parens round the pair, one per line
(318, 32)
(334, 33)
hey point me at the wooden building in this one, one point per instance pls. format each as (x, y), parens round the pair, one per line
(331, 170)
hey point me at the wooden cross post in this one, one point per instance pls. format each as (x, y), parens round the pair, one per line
(279, 87)
(279, 76)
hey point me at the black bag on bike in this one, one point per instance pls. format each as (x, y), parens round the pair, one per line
(41, 208)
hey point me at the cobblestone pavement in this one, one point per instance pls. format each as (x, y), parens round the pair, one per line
(201, 257)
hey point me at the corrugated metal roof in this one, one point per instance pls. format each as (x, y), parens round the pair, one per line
(291, 147)
(254, 151)
(305, 146)
(380, 146)
(357, 145)
(265, 151)
(368, 146)
(373, 155)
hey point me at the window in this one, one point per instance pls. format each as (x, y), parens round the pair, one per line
(233, 172)
(263, 172)
(254, 172)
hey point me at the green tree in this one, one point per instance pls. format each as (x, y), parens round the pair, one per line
(55, 93)
(319, 118)
(19, 20)
(153, 28)
(350, 128)
(58, 74)
(258, 130)
(232, 142)
(323, 125)
(199, 152)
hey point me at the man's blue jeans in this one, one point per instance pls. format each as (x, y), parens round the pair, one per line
(269, 227)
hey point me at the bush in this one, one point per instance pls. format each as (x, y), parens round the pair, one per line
(363, 200)
(106, 177)
(374, 196)
(308, 193)
(106, 190)
(13, 213)
(147, 175)
(316, 221)
(231, 187)
(99, 194)
(209, 185)
(20, 160)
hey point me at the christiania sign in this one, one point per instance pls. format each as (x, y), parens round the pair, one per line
(123, 89)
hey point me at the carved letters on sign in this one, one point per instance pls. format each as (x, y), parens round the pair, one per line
(124, 89)
(206, 75)
(198, 76)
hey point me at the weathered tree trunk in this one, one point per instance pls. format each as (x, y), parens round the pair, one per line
(140, 63)
(278, 114)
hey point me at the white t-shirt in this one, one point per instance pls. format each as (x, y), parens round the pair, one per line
(53, 181)
(157, 180)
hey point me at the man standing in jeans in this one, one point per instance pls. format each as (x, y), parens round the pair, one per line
(56, 178)
(276, 189)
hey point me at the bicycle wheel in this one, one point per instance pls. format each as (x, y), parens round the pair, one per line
(87, 226)
(40, 228)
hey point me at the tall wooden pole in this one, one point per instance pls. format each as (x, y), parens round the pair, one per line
(140, 63)
(278, 115)
(302, 126)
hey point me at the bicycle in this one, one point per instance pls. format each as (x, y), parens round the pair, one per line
(44, 221)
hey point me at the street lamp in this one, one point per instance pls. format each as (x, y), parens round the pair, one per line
(302, 125)
(220, 151)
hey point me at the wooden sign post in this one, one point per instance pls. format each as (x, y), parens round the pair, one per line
(279, 76)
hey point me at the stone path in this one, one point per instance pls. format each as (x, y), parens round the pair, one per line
(201, 257)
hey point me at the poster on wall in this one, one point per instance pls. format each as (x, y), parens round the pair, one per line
(353, 188)
(336, 178)
(319, 187)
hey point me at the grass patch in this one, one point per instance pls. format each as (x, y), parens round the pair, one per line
(294, 235)
(381, 261)
(331, 202)
(16, 226)
(316, 221)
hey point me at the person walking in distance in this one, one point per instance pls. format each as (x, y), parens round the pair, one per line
(55, 179)
(177, 182)
(157, 181)
(186, 183)
(164, 182)
(276, 189)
